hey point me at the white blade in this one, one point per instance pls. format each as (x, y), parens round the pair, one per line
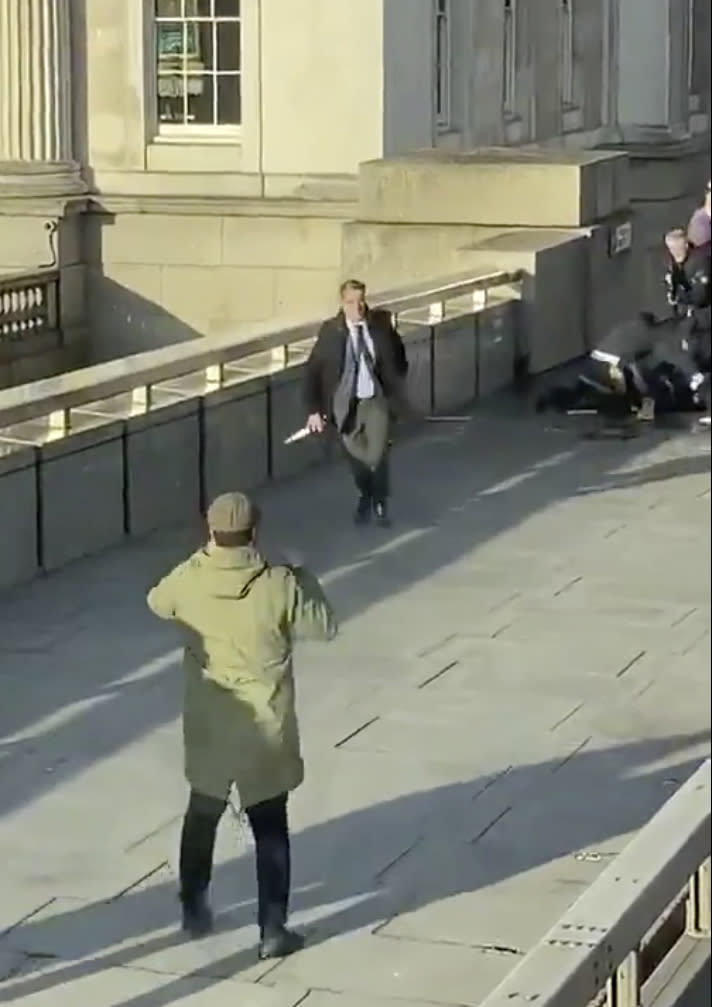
(298, 435)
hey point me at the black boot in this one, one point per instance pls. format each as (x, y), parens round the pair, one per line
(363, 511)
(280, 944)
(197, 916)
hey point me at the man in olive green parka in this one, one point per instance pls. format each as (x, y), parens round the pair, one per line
(239, 617)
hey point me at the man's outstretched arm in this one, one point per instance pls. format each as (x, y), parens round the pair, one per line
(312, 616)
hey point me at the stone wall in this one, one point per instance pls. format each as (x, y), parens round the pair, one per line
(160, 274)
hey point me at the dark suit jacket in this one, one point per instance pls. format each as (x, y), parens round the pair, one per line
(326, 360)
(688, 282)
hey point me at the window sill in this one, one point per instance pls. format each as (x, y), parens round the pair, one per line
(182, 136)
(195, 154)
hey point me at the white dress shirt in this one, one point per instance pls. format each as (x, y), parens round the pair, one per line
(365, 388)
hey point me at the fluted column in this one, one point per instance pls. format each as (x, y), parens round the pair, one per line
(36, 99)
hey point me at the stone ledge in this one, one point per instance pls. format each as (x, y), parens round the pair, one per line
(211, 206)
(57, 207)
(660, 146)
(21, 179)
(536, 187)
(221, 185)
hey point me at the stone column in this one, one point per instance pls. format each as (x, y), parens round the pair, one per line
(36, 100)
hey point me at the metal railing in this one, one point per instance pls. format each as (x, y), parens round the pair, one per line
(621, 929)
(207, 364)
(29, 305)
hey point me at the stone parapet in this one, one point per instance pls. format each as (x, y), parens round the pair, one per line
(495, 187)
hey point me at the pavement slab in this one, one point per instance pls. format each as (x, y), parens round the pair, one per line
(521, 680)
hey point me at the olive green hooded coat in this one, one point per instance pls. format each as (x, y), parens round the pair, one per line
(239, 616)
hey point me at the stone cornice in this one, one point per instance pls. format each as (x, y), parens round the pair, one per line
(40, 179)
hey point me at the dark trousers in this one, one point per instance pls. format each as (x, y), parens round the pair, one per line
(371, 483)
(269, 825)
(366, 442)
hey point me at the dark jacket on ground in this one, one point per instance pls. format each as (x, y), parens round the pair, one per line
(326, 361)
(688, 282)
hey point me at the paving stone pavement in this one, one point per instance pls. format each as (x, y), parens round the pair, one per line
(522, 679)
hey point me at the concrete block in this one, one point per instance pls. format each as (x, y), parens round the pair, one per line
(163, 467)
(70, 237)
(18, 515)
(73, 295)
(25, 242)
(281, 242)
(124, 314)
(144, 281)
(517, 188)
(613, 294)
(287, 415)
(228, 295)
(555, 289)
(557, 311)
(162, 239)
(389, 255)
(496, 344)
(418, 344)
(301, 292)
(81, 494)
(236, 438)
(454, 363)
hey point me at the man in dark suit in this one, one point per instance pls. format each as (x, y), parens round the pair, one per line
(354, 379)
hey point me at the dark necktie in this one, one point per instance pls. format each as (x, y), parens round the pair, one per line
(363, 353)
(361, 348)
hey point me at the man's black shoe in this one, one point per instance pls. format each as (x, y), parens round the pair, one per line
(381, 511)
(280, 944)
(197, 918)
(363, 511)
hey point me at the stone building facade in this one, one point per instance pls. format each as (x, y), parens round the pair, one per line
(201, 157)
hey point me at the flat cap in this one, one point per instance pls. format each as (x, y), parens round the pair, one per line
(232, 512)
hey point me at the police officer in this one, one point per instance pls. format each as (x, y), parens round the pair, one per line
(664, 364)
(687, 280)
(237, 615)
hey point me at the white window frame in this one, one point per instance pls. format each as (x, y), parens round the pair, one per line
(509, 59)
(197, 132)
(567, 53)
(442, 61)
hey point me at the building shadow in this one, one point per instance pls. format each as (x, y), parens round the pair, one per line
(566, 810)
(675, 468)
(117, 664)
(121, 320)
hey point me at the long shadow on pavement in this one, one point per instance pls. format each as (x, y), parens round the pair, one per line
(86, 670)
(464, 837)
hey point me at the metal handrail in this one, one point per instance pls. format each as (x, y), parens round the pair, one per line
(595, 949)
(142, 370)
